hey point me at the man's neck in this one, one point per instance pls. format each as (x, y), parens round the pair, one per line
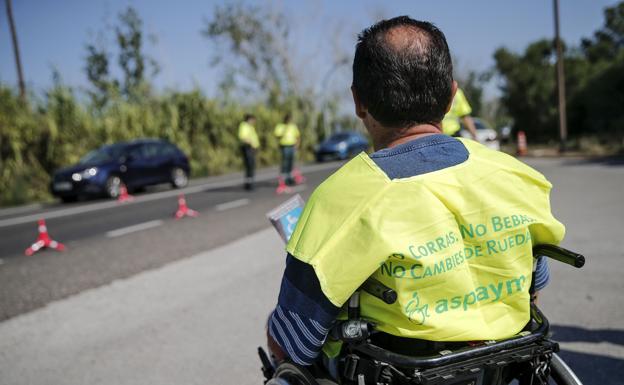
(406, 135)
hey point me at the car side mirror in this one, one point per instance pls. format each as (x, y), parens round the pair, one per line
(126, 158)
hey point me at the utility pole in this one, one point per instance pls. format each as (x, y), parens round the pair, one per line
(18, 62)
(563, 124)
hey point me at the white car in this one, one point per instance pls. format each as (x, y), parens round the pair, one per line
(485, 134)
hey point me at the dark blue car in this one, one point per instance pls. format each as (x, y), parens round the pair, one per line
(135, 164)
(341, 145)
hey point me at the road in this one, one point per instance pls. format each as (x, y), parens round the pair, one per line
(184, 302)
(96, 256)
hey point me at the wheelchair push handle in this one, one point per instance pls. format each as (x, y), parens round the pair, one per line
(379, 290)
(560, 254)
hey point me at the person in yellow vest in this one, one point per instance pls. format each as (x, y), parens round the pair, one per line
(446, 222)
(460, 111)
(249, 144)
(288, 136)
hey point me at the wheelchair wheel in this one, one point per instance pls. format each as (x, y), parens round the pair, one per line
(289, 374)
(561, 373)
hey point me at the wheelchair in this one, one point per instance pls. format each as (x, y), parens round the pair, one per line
(528, 358)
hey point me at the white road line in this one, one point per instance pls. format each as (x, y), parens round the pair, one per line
(134, 228)
(150, 197)
(232, 204)
(1, 261)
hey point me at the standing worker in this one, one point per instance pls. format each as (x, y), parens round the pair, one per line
(460, 110)
(249, 144)
(288, 135)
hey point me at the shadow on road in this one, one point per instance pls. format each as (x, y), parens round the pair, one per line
(578, 334)
(614, 160)
(593, 369)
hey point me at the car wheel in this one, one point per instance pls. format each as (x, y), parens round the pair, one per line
(179, 178)
(69, 198)
(113, 186)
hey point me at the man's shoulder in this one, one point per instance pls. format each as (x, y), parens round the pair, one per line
(336, 207)
(500, 160)
(359, 177)
(349, 190)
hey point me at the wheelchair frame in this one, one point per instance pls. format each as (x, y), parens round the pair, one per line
(362, 362)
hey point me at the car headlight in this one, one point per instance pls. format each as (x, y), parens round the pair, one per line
(342, 146)
(85, 174)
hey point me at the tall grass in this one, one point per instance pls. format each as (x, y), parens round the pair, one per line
(58, 129)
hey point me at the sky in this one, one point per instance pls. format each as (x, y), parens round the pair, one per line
(53, 33)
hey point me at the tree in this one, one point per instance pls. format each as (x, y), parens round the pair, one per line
(257, 51)
(528, 88)
(136, 67)
(594, 83)
(97, 69)
(597, 108)
(609, 40)
(132, 59)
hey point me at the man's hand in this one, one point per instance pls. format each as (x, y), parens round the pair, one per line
(469, 124)
(275, 351)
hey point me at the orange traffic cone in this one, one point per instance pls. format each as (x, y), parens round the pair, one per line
(522, 143)
(282, 187)
(123, 195)
(183, 209)
(43, 241)
(298, 177)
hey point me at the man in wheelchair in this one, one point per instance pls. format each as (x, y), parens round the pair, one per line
(408, 263)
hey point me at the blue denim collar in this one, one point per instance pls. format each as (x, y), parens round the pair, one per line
(412, 145)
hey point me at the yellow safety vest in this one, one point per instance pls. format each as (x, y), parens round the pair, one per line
(459, 108)
(279, 130)
(456, 244)
(247, 134)
(288, 134)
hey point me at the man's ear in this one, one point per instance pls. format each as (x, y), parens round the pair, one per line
(360, 110)
(453, 92)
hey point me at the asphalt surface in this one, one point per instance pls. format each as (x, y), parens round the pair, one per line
(185, 301)
(94, 258)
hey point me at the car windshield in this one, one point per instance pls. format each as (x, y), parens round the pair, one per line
(103, 154)
(340, 137)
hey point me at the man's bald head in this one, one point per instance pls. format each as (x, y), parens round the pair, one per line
(402, 72)
(404, 37)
